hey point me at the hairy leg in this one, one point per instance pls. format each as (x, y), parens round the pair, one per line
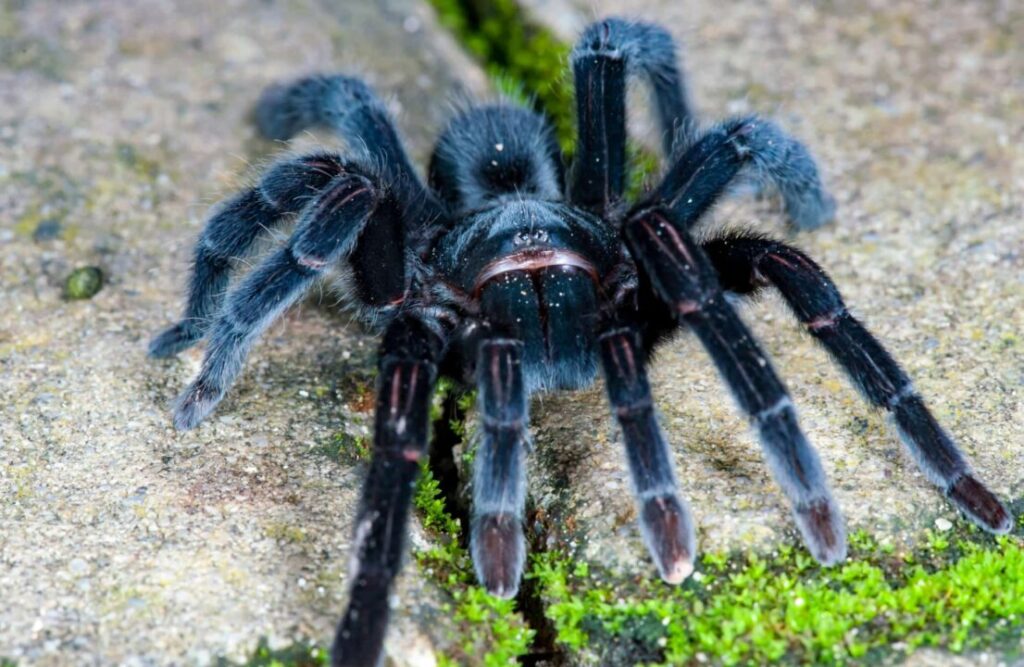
(709, 165)
(605, 54)
(409, 355)
(746, 264)
(499, 478)
(665, 521)
(343, 103)
(683, 277)
(327, 230)
(230, 233)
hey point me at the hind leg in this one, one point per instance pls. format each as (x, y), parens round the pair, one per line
(747, 264)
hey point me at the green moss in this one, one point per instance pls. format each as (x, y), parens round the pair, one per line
(956, 593)
(528, 64)
(491, 631)
(283, 532)
(295, 655)
(526, 59)
(83, 283)
(346, 448)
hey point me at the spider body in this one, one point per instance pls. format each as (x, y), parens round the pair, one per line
(534, 272)
(513, 275)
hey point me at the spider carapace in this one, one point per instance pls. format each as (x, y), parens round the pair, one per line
(513, 275)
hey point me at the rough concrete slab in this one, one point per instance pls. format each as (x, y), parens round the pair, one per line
(914, 114)
(121, 541)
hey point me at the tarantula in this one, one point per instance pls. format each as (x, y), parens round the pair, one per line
(513, 275)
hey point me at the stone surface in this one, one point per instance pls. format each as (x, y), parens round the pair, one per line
(121, 541)
(914, 113)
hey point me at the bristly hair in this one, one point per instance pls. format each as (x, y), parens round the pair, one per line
(494, 150)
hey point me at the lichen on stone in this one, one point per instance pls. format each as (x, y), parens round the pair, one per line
(83, 283)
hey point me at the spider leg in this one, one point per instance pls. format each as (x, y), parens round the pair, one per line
(710, 164)
(328, 228)
(747, 263)
(343, 103)
(604, 55)
(682, 276)
(409, 355)
(499, 480)
(664, 518)
(232, 230)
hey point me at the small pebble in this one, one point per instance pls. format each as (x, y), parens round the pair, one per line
(943, 524)
(47, 230)
(83, 283)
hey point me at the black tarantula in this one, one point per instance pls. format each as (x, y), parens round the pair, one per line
(513, 276)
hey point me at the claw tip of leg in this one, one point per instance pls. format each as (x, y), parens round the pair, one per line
(498, 552)
(668, 532)
(677, 571)
(171, 341)
(980, 505)
(823, 531)
(194, 405)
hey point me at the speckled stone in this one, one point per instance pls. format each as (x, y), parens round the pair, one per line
(122, 541)
(914, 113)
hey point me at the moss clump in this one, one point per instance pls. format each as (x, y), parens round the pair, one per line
(296, 655)
(346, 448)
(530, 66)
(512, 49)
(786, 608)
(492, 632)
(83, 283)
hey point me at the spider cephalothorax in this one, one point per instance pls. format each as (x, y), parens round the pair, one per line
(511, 276)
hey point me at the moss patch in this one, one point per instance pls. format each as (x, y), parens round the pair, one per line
(958, 592)
(492, 632)
(295, 655)
(83, 283)
(346, 448)
(519, 55)
(530, 65)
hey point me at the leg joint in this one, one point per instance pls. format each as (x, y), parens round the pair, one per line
(781, 406)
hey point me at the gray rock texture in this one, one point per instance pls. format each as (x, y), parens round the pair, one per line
(122, 541)
(914, 114)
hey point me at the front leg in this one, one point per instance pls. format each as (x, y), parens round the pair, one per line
(665, 521)
(499, 476)
(409, 355)
(711, 164)
(683, 278)
(327, 231)
(748, 263)
(607, 52)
